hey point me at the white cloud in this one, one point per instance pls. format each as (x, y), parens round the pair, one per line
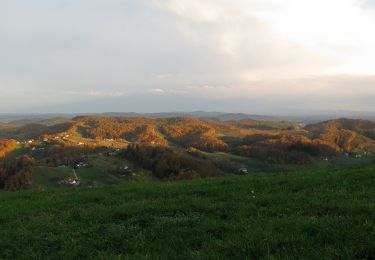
(157, 91)
(290, 38)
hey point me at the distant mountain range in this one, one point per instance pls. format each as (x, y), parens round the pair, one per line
(29, 118)
(307, 118)
(197, 114)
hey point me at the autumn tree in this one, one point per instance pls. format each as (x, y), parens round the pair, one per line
(17, 173)
(6, 147)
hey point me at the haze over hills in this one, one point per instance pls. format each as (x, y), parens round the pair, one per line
(303, 118)
(197, 114)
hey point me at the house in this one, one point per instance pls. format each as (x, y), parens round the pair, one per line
(126, 171)
(124, 168)
(243, 170)
(114, 152)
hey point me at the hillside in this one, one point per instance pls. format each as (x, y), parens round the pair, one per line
(352, 135)
(301, 215)
(102, 150)
(356, 125)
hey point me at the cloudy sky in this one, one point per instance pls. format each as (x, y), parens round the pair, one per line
(254, 56)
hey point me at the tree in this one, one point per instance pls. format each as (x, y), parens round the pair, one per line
(17, 173)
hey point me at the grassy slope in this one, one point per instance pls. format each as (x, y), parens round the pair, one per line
(49, 176)
(304, 215)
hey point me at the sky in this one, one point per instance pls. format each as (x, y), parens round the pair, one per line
(252, 56)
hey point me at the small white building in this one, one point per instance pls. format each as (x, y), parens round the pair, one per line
(243, 170)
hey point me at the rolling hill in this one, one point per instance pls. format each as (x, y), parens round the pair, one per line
(167, 149)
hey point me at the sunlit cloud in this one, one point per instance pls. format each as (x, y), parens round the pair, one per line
(211, 49)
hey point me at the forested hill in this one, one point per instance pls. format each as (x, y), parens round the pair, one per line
(119, 149)
(247, 137)
(350, 134)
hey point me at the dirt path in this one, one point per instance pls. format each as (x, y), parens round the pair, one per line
(75, 174)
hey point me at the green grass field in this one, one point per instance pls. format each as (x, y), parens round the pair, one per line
(300, 215)
(49, 176)
(102, 170)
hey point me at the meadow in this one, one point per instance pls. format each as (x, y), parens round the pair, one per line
(306, 214)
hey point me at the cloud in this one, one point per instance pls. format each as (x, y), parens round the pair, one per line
(93, 93)
(270, 39)
(169, 91)
(157, 91)
(209, 49)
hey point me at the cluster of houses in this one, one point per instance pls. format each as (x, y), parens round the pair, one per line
(126, 171)
(63, 137)
(81, 164)
(39, 148)
(351, 155)
(356, 155)
(26, 142)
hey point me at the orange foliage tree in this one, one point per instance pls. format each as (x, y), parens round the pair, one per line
(17, 173)
(6, 147)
